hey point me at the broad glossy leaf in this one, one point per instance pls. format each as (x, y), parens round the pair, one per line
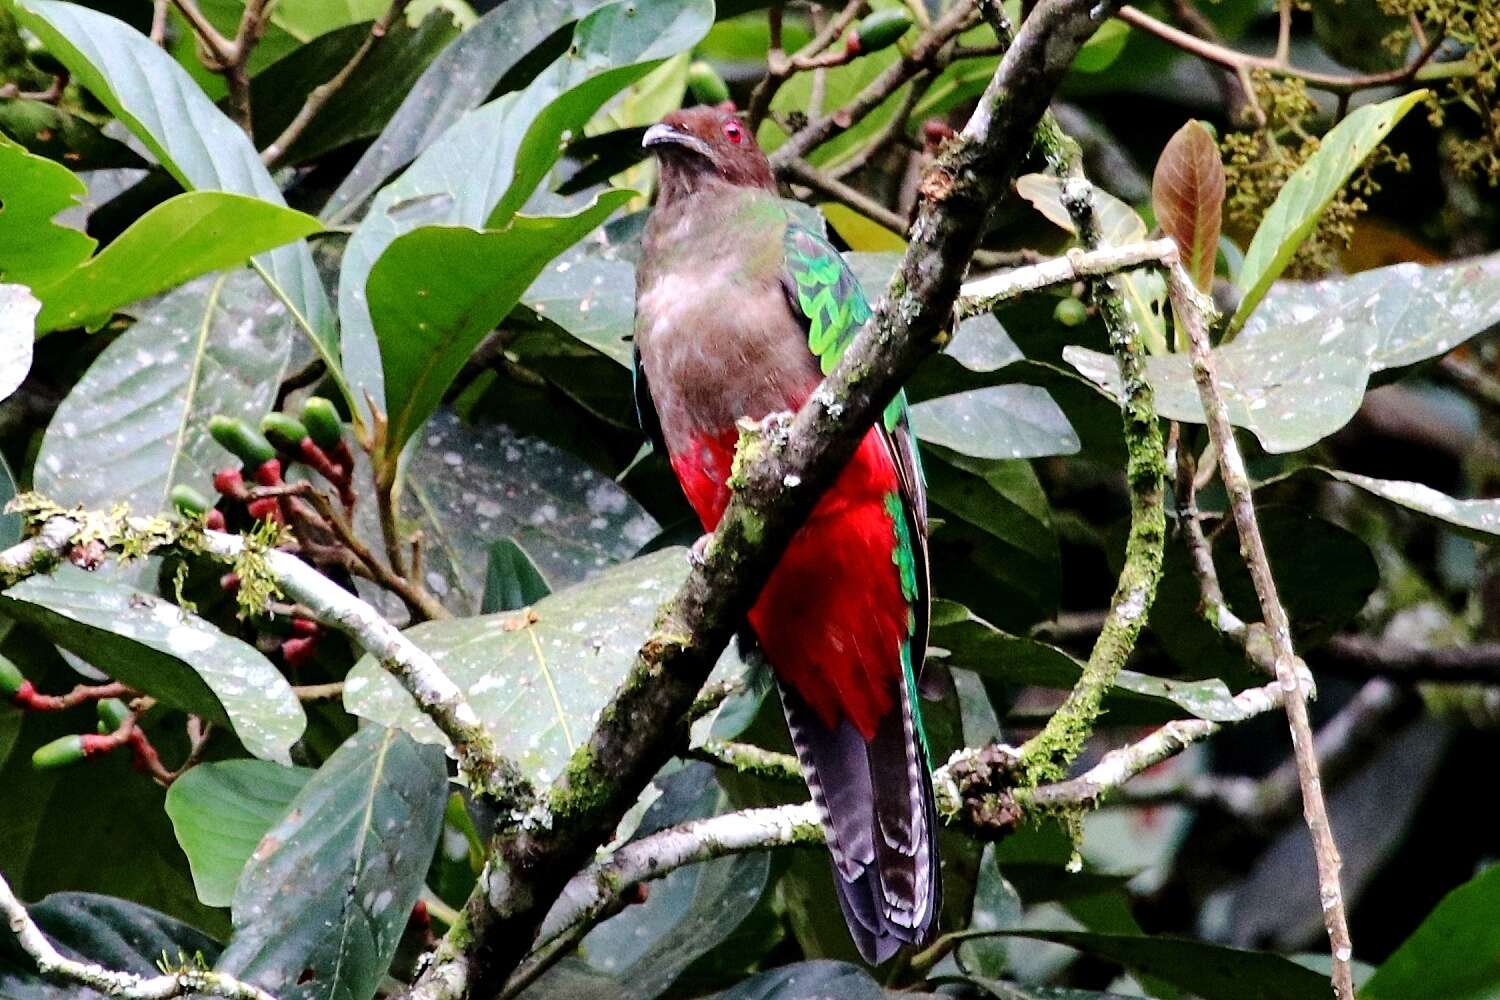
(162, 650)
(1003, 421)
(220, 812)
(537, 678)
(1209, 971)
(1298, 370)
(1478, 519)
(802, 980)
(136, 423)
(459, 79)
(1187, 192)
(34, 250)
(18, 311)
(511, 579)
(180, 239)
(428, 316)
(486, 166)
(202, 149)
(1300, 203)
(590, 293)
(1442, 956)
(115, 933)
(321, 906)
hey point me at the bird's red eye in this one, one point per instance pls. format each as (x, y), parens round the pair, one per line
(733, 132)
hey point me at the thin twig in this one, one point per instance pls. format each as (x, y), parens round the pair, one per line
(1194, 312)
(804, 173)
(159, 22)
(780, 67)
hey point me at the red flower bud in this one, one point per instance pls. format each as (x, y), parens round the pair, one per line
(305, 627)
(299, 651)
(268, 473)
(265, 509)
(214, 520)
(229, 482)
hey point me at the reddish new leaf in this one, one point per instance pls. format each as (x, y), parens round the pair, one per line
(1188, 195)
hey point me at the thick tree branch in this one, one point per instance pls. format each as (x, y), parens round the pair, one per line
(1193, 311)
(639, 730)
(54, 966)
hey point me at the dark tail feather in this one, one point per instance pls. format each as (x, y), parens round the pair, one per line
(880, 821)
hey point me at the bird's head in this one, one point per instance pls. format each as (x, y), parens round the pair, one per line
(706, 145)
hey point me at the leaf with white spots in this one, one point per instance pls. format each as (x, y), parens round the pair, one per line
(159, 649)
(321, 905)
(136, 424)
(1003, 421)
(539, 677)
(1297, 372)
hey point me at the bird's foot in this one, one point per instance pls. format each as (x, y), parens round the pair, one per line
(698, 554)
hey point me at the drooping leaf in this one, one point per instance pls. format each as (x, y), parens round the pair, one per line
(114, 933)
(537, 678)
(1298, 370)
(482, 170)
(202, 149)
(1301, 201)
(220, 812)
(180, 239)
(511, 579)
(34, 250)
(428, 316)
(162, 650)
(460, 78)
(320, 908)
(1478, 519)
(136, 424)
(1187, 192)
(18, 311)
(1442, 956)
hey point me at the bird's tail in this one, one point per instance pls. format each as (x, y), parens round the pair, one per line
(878, 814)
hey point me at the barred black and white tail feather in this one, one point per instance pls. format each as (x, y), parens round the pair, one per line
(881, 833)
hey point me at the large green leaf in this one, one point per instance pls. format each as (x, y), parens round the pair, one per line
(320, 908)
(18, 310)
(1450, 954)
(162, 650)
(34, 250)
(429, 316)
(459, 79)
(822, 978)
(1301, 201)
(1003, 421)
(115, 933)
(511, 579)
(1298, 370)
(537, 678)
(484, 168)
(1478, 519)
(221, 811)
(203, 150)
(1210, 971)
(136, 424)
(178, 240)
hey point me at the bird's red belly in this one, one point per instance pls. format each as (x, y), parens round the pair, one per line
(832, 618)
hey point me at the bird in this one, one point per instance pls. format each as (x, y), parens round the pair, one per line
(741, 310)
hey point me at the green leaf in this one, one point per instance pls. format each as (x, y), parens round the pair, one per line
(1210, 971)
(18, 310)
(1003, 421)
(486, 166)
(10, 524)
(305, 20)
(460, 78)
(203, 150)
(1446, 955)
(511, 579)
(429, 316)
(164, 651)
(220, 812)
(330, 888)
(1298, 370)
(537, 678)
(180, 239)
(136, 424)
(801, 980)
(115, 933)
(590, 293)
(1301, 201)
(1476, 519)
(34, 250)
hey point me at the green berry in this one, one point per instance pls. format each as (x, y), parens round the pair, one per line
(243, 441)
(189, 501)
(285, 432)
(1070, 312)
(60, 752)
(112, 714)
(11, 678)
(322, 421)
(882, 28)
(706, 85)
